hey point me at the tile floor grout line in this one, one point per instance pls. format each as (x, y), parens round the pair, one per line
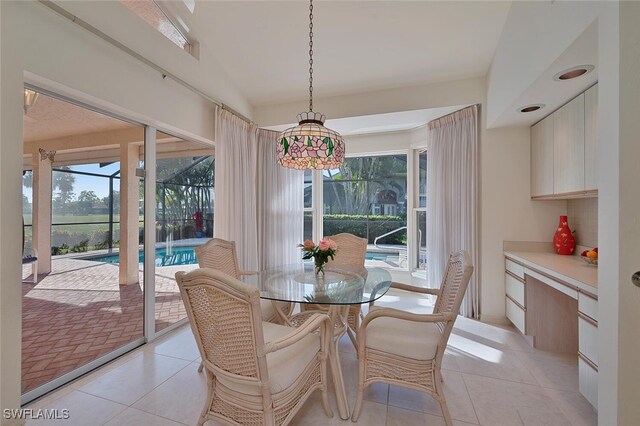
(157, 415)
(159, 384)
(475, 413)
(560, 407)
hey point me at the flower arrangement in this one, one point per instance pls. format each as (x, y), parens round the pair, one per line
(320, 253)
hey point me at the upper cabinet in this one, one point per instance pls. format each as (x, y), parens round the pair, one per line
(564, 148)
(568, 147)
(542, 158)
(591, 138)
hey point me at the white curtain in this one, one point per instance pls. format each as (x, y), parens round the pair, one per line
(452, 197)
(235, 186)
(280, 206)
(258, 203)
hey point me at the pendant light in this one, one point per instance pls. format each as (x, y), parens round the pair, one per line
(310, 145)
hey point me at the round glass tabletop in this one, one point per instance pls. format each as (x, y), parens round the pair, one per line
(340, 285)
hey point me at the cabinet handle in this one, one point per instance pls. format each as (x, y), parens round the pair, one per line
(635, 279)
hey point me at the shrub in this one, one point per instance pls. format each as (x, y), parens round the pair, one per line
(369, 227)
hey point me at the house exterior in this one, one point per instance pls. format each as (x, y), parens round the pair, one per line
(42, 48)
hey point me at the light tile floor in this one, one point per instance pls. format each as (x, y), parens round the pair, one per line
(492, 377)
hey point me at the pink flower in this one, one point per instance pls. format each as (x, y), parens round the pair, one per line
(324, 245)
(308, 245)
(327, 244)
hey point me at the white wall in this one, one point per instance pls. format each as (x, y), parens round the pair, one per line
(507, 212)
(205, 73)
(380, 143)
(629, 226)
(41, 47)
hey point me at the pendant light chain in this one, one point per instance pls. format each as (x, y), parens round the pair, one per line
(310, 55)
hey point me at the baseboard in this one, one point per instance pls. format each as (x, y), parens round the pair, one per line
(495, 319)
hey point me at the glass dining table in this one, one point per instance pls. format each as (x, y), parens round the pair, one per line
(340, 287)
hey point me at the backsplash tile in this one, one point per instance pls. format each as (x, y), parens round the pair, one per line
(583, 218)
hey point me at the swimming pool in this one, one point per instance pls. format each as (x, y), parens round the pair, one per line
(177, 256)
(187, 256)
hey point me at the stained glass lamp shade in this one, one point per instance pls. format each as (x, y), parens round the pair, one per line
(310, 145)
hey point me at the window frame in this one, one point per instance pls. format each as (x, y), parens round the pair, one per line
(317, 202)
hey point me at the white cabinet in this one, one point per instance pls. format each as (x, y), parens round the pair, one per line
(564, 150)
(591, 138)
(530, 314)
(542, 158)
(568, 147)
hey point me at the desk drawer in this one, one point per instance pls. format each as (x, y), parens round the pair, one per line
(588, 340)
(588, 379)
(514, 289)
(515, 315)
(515, 268)
(588, 306)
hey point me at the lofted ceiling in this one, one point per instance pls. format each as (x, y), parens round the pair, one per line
(358, 46)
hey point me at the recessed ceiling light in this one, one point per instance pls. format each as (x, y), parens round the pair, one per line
(573, 72)
(531, 108)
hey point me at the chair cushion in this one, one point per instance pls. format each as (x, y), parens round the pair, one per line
(415, 303)
(415, 340)
(268, 313)
(284, 365)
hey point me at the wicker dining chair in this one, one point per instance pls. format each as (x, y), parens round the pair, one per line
(258, 373)
(221, 255)
(406, 349)
(351, 251)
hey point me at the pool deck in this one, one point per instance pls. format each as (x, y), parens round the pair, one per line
(79, 312)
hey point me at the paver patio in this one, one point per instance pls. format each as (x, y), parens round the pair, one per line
(79, 312)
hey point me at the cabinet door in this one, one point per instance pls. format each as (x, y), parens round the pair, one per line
(568, 147)
(542, 158)
(591, 138)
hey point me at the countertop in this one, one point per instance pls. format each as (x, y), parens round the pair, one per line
(570, 269)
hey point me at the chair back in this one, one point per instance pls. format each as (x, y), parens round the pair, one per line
(351, 250)
(226, 321)
(220, 255)
(454, 285)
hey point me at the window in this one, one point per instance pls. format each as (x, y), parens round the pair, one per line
(367, 197)
(420, 211)
(308, 205)
(152, 14)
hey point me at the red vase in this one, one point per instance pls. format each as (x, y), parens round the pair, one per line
(563, 241)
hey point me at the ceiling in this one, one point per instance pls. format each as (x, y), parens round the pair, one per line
(382, 123)
(358, 46)
(50, 118)
(552, 93)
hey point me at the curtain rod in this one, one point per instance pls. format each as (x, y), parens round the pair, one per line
(87, 26)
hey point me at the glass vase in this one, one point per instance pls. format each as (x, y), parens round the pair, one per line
(319, 266)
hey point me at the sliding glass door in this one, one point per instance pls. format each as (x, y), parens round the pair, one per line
(184, 192)
(82, 276)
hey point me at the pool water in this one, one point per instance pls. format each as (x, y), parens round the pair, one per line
(379, 256)
(187, 256)
(178, 256)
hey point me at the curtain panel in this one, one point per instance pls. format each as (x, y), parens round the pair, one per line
(280, 206)
(235, 191)
(258, 204)
(452, 197)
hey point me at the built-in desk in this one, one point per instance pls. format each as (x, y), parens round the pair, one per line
(553, 301)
